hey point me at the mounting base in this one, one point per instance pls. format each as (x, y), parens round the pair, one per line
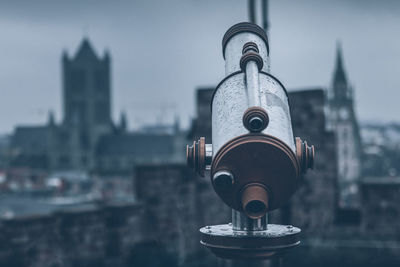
(227, 243)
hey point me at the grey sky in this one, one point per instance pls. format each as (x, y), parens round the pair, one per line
(162, 50)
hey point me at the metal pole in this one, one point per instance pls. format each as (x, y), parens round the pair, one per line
(240, 222)
(252, 83)
(252, 11)
(265, 15)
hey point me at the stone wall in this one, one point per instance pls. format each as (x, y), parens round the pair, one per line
(95, 237)
(380, 208)
(178, 203)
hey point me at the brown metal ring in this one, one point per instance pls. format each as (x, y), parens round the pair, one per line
(305, 155)
(312, 153)
(244, 27)
(251, 56)
(254, 199)
(196, 156)
(201, 162)
(250, 46)
(190, 155)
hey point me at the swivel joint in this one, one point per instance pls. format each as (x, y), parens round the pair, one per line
(305, 155)
(198, 156)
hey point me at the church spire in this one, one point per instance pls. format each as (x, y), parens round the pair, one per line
(86, 50)
(341, 88)
(340, 75)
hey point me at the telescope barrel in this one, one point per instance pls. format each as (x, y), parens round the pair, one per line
(255, 162)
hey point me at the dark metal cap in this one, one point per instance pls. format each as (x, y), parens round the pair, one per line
(244, 27)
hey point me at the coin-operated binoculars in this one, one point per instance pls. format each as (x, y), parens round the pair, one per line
(255, 163)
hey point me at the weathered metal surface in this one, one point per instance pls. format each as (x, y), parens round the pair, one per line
(251, 127)
(236, 37)
(230, 102)
(255, 164)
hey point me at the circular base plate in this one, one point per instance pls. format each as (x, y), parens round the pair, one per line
(224, 242)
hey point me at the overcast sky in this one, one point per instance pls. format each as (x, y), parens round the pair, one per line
(163, 50)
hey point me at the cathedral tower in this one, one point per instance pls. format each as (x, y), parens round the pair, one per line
(86, 88)
(87, 97)
(348, 144)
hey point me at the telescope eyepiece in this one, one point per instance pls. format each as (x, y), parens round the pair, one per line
(255, 119)
(255, 201)
(256, 124)
(255, 208)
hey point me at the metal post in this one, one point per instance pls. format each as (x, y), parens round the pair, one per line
(240, 222)
(265, 15)
(252, 11)
(252, 84)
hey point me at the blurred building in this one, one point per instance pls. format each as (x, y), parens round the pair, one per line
(161, 229)
(345, 220)
(343, 121)
(381, 149)
(87, 139)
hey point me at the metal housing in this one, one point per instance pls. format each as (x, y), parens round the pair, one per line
(254, 161)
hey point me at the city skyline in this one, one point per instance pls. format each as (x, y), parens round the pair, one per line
(189, 53)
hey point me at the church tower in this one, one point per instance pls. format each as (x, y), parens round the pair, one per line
(87, 98)
(348, 144)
